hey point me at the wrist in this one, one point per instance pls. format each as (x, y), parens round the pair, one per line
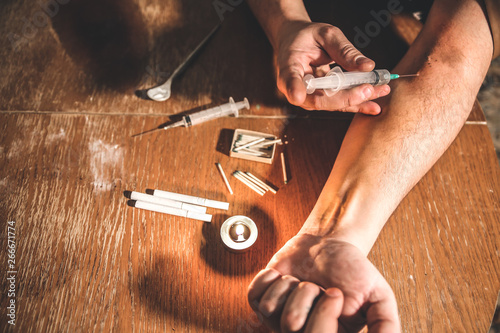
(273, 16)
(287, 30)
(349, 212)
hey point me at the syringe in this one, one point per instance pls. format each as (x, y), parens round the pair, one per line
(336, 80)
(223, 110)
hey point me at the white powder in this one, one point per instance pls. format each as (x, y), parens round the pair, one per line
(105, 160)
(55, 136)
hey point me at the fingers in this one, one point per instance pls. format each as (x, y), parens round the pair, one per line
(326, 312)
(298, 305)
(269, 290)
(312, 49)
(382, 315)
(342, 51)
(259, 285)
(290, 82)
(275, 290)
(274, 298)
(357, 99)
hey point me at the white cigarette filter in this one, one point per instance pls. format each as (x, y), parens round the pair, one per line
(167, 202)
(191, 199)
(172, 211)
(251, 180)
(248, 183)
(261, 182)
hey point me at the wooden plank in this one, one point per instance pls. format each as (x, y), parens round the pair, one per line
(86, 260)
(446, 237)
(81, 61)
(78, 61)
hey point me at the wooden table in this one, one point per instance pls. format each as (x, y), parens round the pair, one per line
(86, 261)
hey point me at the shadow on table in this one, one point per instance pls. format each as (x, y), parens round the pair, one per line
(105, 38)
(228, 263)
(224, 141)
(177, 288)
(208, 302)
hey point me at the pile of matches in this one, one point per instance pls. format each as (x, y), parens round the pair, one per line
(255, 146)
(253, 182)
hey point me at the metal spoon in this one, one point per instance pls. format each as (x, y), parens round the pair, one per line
(162, 92)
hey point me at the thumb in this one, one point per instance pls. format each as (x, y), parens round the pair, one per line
(382, 315)
(338, 47)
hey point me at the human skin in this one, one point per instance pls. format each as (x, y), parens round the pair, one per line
(382, 157)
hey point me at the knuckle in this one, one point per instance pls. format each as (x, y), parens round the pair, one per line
(329, 31)
(348, 51)
(349, 101)
(266, 307)
(308, 286)
(290, 321)
(351, 110)
(282, 86)
(290, 279)
(252, 296)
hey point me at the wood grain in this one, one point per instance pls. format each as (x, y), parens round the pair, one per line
(122, 268)
(88, 262)
(448, 255)
(83, 62)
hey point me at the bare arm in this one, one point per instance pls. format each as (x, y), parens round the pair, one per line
(380, 160)
(383, 157)
(272, 15)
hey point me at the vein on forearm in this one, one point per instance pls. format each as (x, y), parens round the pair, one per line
(383, 157)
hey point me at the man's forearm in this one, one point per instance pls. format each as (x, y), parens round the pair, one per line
(383, 157)
(273, 13)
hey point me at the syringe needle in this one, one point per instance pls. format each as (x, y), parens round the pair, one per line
(408, 75)
(176, 124)
(148, 131)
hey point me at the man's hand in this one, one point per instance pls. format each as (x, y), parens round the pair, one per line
(308, 48)
(286, 292)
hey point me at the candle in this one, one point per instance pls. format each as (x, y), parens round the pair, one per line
(238, 233)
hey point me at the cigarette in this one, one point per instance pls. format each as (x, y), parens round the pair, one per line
(191, 199)
(251, 180)
(285, 179)
(166, 202)
(224, 177)
(261, 182)
(170, 210)
(251, 143)
(248, 183)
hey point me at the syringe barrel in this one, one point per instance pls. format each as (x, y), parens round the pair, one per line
(216, 112)
(336, 80)
(375, 78)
